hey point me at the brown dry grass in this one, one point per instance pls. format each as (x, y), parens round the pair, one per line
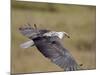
(78, 21)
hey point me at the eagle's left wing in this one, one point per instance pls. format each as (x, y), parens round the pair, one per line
(52, 48)
(65, 60)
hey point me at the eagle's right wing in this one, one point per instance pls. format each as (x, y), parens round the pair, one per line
(28, 31)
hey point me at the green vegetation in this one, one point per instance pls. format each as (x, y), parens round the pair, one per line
(78, 21)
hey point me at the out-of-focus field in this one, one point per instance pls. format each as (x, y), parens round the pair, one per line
(79, 21)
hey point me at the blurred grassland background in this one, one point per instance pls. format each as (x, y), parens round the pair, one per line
(77, 20)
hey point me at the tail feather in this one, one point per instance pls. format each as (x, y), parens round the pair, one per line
(27, 44)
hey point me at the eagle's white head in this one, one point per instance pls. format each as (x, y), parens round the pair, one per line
(61, 35)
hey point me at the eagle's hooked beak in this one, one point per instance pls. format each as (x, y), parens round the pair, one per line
(67, 35)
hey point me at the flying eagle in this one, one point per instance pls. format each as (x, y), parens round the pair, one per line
(49, 44)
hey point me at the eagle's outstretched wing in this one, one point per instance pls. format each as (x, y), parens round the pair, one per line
(30, 32)
(51, 48)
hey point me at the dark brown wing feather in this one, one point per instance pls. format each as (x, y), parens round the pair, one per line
(51, 48)
(27, 30)
(30, 32)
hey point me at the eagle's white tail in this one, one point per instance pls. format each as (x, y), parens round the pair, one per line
(27, 44)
